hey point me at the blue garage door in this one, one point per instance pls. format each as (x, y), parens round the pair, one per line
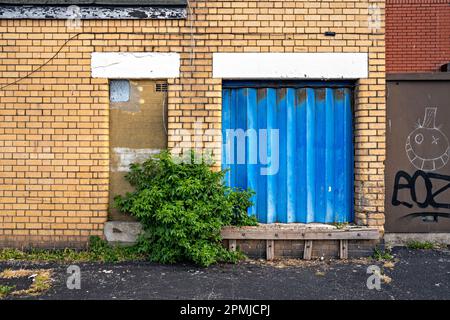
(292, 144)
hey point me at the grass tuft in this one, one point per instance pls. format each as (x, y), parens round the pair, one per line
(42, 281)
(426, 245)
(5, 290)
(98, 251)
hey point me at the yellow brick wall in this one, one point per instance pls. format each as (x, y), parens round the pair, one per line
(54, 123)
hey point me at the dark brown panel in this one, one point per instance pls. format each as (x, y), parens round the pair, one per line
(417, 164)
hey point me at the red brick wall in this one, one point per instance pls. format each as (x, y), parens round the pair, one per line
(417, 35)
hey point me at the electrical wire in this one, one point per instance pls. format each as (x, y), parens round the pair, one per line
(42, 65)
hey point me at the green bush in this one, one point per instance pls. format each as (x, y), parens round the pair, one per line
(182, 206)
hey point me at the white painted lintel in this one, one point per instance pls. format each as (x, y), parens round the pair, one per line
(290, 65)
(135, 65)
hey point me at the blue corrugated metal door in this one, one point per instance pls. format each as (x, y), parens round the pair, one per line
(292, 144)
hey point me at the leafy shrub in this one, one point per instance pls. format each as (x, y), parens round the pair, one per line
(182, 206)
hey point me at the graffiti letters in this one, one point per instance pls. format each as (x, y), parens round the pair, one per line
(434, 184)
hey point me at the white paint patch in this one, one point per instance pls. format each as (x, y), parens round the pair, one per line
(135, 65)
(123, 157)
(290, 65)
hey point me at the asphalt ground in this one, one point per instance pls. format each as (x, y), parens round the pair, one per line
(412, 274)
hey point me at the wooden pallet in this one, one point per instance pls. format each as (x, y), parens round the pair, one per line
(309, 235)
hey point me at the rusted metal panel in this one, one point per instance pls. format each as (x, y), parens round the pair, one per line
(137, 130)
(418, 152)
(291, 143)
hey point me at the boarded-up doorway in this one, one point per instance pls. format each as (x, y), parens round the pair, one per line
(292, 143)
(138, 122)
(418, 153)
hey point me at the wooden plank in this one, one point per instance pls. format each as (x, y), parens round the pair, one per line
(307, 254)
(270, 249)
(314, 234)
(343, 249)
(232, 245)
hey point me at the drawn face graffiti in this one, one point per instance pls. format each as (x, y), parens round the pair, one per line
(427, 146)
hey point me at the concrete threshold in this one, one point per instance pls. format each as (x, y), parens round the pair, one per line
(122, 232)
(402, 239)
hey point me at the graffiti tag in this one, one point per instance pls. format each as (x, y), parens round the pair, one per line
(404, 181)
